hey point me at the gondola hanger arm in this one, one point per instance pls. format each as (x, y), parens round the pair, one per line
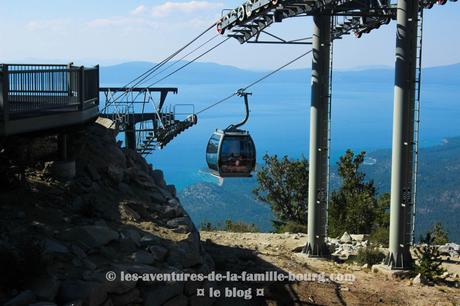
(244, 94)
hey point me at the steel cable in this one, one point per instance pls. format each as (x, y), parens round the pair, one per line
(255, 82)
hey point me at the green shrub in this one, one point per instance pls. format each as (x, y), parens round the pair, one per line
(380, 236)
(240, 227)
(283, 184)
(229, 226)
(292, 227)
(207, 226)
(370, 256)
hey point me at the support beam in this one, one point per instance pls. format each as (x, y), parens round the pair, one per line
(63, 149)
(64, 168)
(130, 135)
(402, 203)
(319, 122)
(4, 85)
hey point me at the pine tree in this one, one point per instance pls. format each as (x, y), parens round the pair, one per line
(429, 260)
(439, 235)
(354, 207)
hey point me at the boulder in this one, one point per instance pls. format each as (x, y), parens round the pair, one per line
(158, 296)
(136, 268)
(93, 173)
(127, 298)
(88, 264)
(445, 275)
(74, 303)
(54, 246)
(143, 257)
(418, 280)
(451, 249)
(140, 178)
(107, 123)
(45, 288)
(172, 189)
(177, 301)
(130, 213)
(116, 286)
(132, 235)
(171, 212)
(185, 221)
(346, 238)
(159, 178)
(115, 174)
(158, 252)
(76, 250)
(333, 241)
(359, 238)
(150, 239)
(157, 197)
(183, 258)
(90, 236)
(22, 299)
(91, 293)
(201, 301)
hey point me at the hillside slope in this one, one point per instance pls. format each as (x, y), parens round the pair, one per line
(438, 197)
(208, 202)
(438, 191)
(60, 239)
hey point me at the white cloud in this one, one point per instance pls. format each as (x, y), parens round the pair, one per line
(138, 10)
(148, 16)
(51, 24)
(167, 8)
(121, 21)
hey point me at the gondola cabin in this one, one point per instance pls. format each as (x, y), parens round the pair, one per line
(231, 153)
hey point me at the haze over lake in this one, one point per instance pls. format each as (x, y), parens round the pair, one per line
(279, 123)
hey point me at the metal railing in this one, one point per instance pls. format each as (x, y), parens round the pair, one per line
(35, 90)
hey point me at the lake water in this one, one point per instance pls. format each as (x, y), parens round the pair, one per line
(279, 121)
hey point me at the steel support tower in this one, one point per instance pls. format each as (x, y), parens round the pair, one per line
(319, 127)
(247, 22)
(402, 170)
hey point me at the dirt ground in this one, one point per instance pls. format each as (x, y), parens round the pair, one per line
(260, 252)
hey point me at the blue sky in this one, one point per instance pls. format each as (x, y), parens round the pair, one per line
(109, 32)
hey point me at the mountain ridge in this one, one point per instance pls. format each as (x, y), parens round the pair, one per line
(212, 73)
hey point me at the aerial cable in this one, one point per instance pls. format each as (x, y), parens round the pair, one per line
(182, 58)
(176, 62)
(166, 60)
(217, 103)
(276, 71)
(138, 80)
(189, 63)
(255, 82)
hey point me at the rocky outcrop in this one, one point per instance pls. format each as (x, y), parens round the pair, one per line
(118, 214)
(348, 245)
(450, 249)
